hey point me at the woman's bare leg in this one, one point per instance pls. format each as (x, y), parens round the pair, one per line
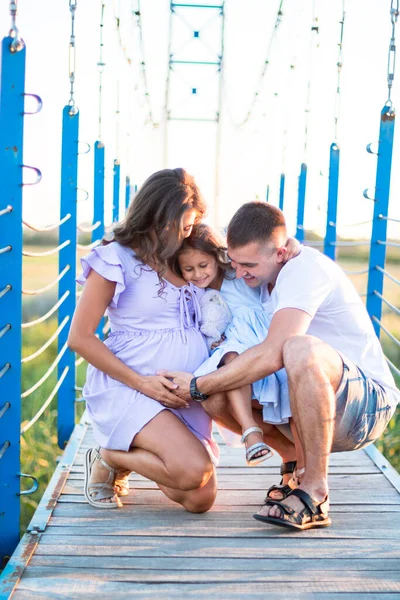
(176, 460)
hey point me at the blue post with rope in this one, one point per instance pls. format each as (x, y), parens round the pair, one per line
(331, 215)
(267, 194)
(281, 190)
(127, 192)
(12, 87)
(67, 260)
(116, 186)
(301, 202)
(379, 223)
(98, 204)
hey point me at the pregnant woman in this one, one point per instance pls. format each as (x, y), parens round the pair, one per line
(139, 424)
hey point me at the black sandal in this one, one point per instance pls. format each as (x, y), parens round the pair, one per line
(313, 515)
(284, 489)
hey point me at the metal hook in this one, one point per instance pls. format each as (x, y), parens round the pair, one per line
(88, 148)
(86, 192)
(367, 196)
(34, 487)
(38, 174)
(369, 148)
(39, 102)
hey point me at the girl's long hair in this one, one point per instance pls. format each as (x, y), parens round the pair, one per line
(205, 239)
(153, 223)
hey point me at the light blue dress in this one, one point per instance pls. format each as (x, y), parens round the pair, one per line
(248, 328)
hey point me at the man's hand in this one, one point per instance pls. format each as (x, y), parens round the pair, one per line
(158, 388)
(182, 382)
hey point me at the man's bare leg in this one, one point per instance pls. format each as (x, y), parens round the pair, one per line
(315, 371)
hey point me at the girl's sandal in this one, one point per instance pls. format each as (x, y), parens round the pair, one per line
(121, 483)
(251, 452)
(313, 515)
(95, 492)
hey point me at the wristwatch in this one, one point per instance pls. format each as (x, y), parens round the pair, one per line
(194, 392)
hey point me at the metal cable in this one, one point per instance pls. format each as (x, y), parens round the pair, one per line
(48, 286)
(47, 227)
(387, 274)
(4, 448)
(4, 409)
(361, 272)
(392, 337)
(389, 304)
(6, 210)
(47, 374)
(28, 425)
(48, 314)
(389, 244)
(79, 361)
(88, 246)
(392, 366)
(90, 228)
(5, 329)
(48, 252)
(47, 344)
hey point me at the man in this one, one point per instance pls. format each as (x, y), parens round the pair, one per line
(342, 394)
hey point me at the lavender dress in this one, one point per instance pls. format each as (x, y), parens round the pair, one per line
(149, 331)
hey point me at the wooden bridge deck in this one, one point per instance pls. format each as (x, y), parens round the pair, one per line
(152, 547)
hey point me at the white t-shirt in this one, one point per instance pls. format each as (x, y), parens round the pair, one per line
(315, 284)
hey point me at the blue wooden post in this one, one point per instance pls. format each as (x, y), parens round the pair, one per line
(12, 82)
(98, 204)
(116, 186)
(379, 225)
(267, 194)
(67, 258)
(281, 190)
(127, 192)
(331, 216)
(301, 199)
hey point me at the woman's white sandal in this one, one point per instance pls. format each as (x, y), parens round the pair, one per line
(95, 492)
(255, 448)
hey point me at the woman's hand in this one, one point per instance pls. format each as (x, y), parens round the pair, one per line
(158, 388)
(293, 249)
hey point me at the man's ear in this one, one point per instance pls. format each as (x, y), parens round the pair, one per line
(281, 254)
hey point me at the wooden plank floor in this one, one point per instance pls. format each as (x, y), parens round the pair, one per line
(152, 547)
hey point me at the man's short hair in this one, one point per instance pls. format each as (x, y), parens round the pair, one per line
(254, 222)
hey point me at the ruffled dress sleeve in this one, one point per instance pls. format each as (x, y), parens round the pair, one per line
(106, 261)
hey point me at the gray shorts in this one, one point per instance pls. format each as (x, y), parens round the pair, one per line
(363, 409)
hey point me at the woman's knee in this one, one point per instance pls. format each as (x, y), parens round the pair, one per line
(201, 500)
(191, 474)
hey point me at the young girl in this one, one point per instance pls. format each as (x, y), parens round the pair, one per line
(202, 261)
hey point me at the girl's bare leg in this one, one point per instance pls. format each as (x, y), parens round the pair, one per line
(166, 452)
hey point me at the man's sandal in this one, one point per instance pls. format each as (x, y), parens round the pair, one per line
(282, 488)
(121, 483)
(95, 492)
(313, 515)
(251, 452)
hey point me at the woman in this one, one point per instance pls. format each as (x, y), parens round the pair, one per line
(139, 424)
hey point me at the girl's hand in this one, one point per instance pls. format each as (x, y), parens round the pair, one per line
(216, 344)
(293, 248)
(158, 388)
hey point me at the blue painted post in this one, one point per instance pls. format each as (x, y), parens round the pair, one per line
(281, 191)
(267, 194)
(12, 85)
(331, 216)
(67, 258)
(379, 225)
(301, 202)
(116, 186)
(127, 192)
(98, 204)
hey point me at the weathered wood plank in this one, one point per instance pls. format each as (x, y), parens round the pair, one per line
(286, 565)
(91, 586)
(347, 578)
(252, 497)
(253, 482)
(123, 545)
(149, 591)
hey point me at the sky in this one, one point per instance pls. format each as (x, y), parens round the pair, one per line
(251, 155)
